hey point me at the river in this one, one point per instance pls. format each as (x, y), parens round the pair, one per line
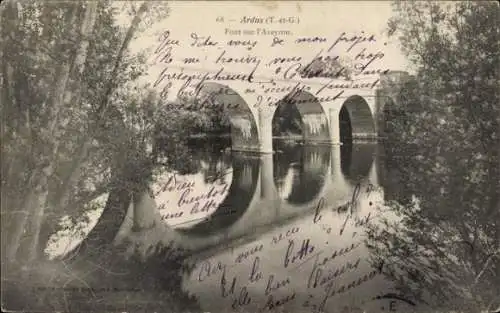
(292, 231)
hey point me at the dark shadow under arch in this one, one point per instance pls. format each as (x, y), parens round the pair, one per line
(244, 133)
(345, 126)
(301, 114)
(356, 120)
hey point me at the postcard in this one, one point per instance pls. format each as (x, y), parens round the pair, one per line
(250, 156)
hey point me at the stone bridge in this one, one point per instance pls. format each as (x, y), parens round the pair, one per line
(330, 112)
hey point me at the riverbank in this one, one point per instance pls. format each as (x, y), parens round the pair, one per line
(97, 284)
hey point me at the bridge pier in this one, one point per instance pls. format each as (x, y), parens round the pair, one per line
(336, 176)
(267, 188)
(266, 130)
(335, 125)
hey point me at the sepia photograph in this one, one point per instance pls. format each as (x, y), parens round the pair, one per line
(250, 156)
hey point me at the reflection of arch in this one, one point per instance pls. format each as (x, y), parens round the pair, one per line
(356, 161)
(237, 201)
(212, 156)
(301, 171)
(244, 134)
(356, 117)
(301, 108)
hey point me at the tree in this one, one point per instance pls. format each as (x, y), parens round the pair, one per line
(446, 153)
(60, 94)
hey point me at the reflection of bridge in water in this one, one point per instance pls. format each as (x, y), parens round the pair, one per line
(259, 199)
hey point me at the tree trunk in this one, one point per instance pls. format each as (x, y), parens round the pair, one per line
(9, 160)
(119, 198)
(126, 42)
(38, 209)
(83, 151)
(38, 192)
(19, 224)
(46, 232)
(86, 28)
(74, 175)
(36, 200)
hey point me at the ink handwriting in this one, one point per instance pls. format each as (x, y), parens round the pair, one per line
(202, 41)
(226, 291)
(267, 78)
(289, 233)
(319, 276)
(331, 290)
(272, 303)
(247, 253)
(327, 61)
(243, 298)
(273, 285)
(207, 269)
(255, 273)
(292, 256)
(336, 253)
(186, 197)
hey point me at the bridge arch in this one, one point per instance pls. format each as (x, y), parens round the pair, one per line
(301, 113)
(356, 120)
(244, 132)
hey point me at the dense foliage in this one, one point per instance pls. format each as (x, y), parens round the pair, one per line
(64, 132)
(76, 124)
(443, 151)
